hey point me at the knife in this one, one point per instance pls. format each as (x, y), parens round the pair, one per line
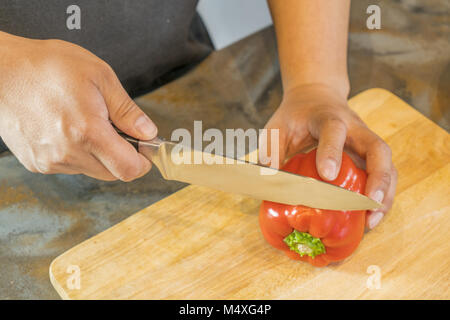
(245, 178)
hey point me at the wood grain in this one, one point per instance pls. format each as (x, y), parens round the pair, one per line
(203, 244)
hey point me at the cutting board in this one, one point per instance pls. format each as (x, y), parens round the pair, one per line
(200, 243)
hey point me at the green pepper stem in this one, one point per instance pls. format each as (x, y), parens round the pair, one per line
(304, 244)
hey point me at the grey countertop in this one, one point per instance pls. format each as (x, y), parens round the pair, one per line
(237, 87)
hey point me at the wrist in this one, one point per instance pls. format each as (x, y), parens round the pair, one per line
(320, 90)
(340, 87)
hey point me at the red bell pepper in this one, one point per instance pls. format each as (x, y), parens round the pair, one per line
(314, 235)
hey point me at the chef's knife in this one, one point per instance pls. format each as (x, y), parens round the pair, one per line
(245, 178)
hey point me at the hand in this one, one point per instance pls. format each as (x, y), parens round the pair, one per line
(56, 100)
(316, 112)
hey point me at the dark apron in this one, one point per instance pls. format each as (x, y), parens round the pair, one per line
(147, 42)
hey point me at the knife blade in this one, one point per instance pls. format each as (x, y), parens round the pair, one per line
(242, 177)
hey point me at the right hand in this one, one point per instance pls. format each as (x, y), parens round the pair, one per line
(56, 100)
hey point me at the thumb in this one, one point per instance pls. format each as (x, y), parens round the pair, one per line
(124, 112)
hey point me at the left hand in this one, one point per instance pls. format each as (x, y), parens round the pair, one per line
(318, 112)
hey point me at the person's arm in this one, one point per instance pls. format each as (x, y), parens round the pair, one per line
(56, 100)
(312, 44)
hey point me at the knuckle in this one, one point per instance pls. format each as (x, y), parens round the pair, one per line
(385, 178)
(33, 170)
(125, 108)
(30, 167)
(330, 150)
(382, 146)
(335, 123)
(61, 158)
(102, 73)
(44, 167)
(327, 119)
(106, 71)
(82, 133)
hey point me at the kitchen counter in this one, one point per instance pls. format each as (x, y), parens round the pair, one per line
(237, 87)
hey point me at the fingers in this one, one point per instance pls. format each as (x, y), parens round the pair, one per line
(379, 170)
(272, 143)
(389, 198)
(104, 156)
(114, 153)
(272, 147)
(374, 217)
(81, 162)
(382, 175)
(282, 138)
(118, 156)
(332, 136)
(93, 168)
(95, 150)
(124, 113)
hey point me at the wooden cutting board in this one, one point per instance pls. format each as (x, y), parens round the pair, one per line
(203, 244)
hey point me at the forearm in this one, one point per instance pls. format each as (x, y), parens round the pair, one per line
(312, 42)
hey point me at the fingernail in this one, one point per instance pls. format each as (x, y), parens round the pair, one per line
(375, 218)
(329, 171)
(146, 127)
(378, 196)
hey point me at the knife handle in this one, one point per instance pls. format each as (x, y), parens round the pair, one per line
(134, 142)
(150, 148)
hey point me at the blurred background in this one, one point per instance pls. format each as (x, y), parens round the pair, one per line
(409, 55)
